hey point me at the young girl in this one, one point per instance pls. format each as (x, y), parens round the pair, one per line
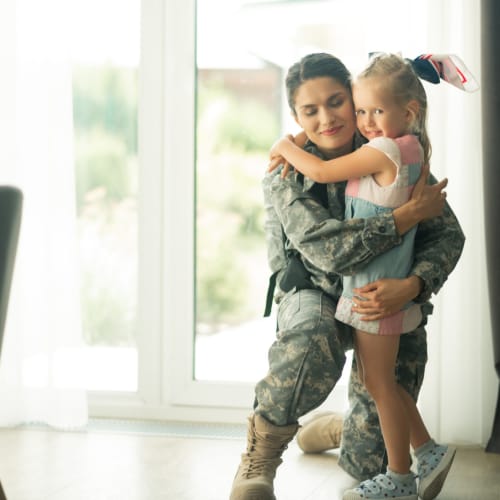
(391, 107)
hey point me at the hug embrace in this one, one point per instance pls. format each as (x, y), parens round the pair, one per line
(359, 238)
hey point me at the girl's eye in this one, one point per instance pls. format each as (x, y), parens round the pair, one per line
(360, 112)
(379, 111)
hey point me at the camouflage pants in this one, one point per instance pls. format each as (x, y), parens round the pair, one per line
(305, 363)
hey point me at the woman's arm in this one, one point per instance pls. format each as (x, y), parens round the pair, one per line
(276, 252)
(427, 201)
(342, 246)
(439, 243)
(438, 246)
(363, 161)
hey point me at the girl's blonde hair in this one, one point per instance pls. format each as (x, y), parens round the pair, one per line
(404, 84)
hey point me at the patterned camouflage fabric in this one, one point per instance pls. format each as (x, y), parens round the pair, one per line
(308, 355)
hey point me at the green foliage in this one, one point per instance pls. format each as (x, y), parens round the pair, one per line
(102, 162)
(105, 316)
(105, 120)
(233, 122)
(234, 134)
(105, 97)
(108, 238)
(220, 290)
(246, 126)
(229, 231)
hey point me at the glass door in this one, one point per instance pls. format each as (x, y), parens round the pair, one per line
(237, 117)
(209, 102)
(243, 51)
(105, 60)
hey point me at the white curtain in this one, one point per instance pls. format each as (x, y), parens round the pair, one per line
(41, 368)
(460, 388)
(459, 393)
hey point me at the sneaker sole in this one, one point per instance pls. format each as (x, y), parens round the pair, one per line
(357, 496)
(430, 487)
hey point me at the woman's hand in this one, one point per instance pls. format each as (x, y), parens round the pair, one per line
(385, 297)
(427, 201)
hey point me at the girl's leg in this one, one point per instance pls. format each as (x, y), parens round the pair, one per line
(433, 460)
(418, 432)
(377, 355)
(362, 453)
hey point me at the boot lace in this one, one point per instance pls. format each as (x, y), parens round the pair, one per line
(263, 456)
(259, 466)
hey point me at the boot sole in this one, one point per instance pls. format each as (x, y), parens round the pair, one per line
(253, 495)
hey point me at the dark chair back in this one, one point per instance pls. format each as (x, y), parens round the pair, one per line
(11, 201)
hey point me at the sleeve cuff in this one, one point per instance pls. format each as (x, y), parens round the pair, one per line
(432, 283)
(380, 234)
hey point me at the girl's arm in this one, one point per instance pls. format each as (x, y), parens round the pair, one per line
(363, 161)
(276, 160)
(342, 246)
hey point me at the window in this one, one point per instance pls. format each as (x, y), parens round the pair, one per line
(105, 99)
(210, 102)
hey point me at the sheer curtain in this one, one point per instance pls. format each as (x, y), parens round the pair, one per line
(41, 368)
(458, 396)
(41, 371)
(460, 387)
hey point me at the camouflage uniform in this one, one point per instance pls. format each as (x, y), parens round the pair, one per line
(308, 355)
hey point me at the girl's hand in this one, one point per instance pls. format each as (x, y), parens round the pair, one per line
(385, 297)
(277, 161)
(275, 156)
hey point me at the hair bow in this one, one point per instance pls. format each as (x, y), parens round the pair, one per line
(447, 67)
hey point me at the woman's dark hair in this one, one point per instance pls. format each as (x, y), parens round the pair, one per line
(316, 65)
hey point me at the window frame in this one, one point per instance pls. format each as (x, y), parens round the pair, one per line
(166, 290)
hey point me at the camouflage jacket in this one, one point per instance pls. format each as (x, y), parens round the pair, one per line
(330, 246)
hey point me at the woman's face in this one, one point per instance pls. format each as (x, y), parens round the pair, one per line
(324, 109)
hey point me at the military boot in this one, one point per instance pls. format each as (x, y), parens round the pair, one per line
(265, 445)
(321, 433)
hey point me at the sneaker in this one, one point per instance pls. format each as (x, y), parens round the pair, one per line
(384, 486)
(432, 468)
(321, 433)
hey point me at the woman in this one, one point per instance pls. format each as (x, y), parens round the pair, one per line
(308, 356)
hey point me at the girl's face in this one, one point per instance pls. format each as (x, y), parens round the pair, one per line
(324, 109)
(377, 112)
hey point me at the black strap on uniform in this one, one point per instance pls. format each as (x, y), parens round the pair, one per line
(270, 294)
(321, 194)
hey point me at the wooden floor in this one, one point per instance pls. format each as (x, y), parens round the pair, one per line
(41, 464)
